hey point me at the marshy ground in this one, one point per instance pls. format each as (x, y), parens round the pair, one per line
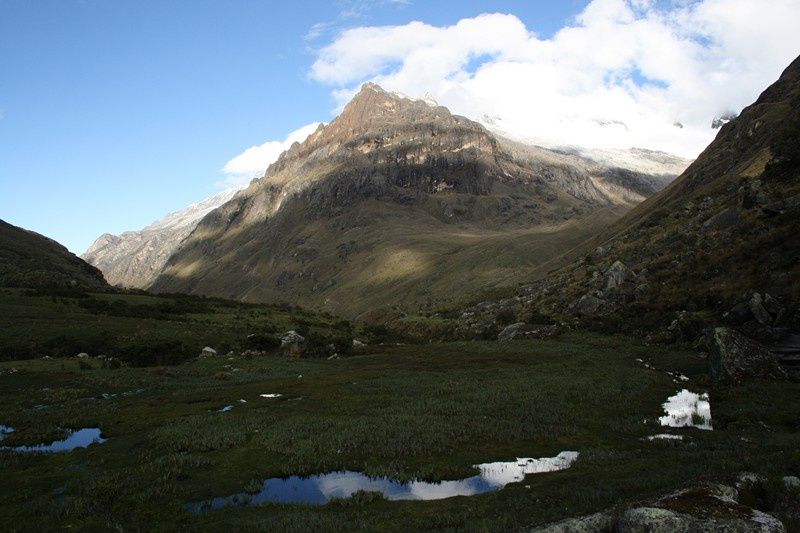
(407, 412)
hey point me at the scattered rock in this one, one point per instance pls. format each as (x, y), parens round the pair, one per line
(208, 352)
(293, 344)
(734, 357)
(752, 195)
(791, 482)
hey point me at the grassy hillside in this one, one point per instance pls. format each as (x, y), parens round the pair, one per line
(28, 259)
(141, 329)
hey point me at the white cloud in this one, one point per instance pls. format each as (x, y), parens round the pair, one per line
(622, 74)
(253, 162)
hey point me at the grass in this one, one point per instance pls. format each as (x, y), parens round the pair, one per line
(425, 412)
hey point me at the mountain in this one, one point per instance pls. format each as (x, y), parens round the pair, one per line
(136, 258)
(28, 259)
(720, 244)
(399, 201)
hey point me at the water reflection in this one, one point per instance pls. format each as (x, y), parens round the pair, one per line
(81, 438)
(322, 488)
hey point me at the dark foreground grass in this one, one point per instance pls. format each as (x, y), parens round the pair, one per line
(407, 412)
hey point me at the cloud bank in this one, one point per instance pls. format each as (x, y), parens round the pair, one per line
(624, 73)
(254, 161)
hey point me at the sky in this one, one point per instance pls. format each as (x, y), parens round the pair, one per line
(113, 114)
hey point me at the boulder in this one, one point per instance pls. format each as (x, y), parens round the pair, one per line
(587, 305)
(616, 275)
(727, 218)
(358, 345)
(511, 331)
(756, 305)
(208, 352)
(603, 521)
(82, 355)
(734, 357)
(293, 344)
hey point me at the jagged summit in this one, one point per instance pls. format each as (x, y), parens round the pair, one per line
(398, 200)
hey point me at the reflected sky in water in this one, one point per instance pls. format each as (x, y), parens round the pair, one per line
(322, 488)
(81, 438)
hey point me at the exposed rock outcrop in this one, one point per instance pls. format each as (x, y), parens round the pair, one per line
(735, 357)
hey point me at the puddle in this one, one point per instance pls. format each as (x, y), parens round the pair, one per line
(224, 409)
(687, 409)
(81, 438)
(664, 436)
(271, 395)
(322, 488)
(5, 431)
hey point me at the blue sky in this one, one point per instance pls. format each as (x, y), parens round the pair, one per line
(115, 113)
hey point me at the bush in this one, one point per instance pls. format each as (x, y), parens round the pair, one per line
(262, 343)
(506, 317)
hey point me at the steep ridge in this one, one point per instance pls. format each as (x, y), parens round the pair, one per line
(720, 244)
(28, 259)
(135, 258)
(398, 201)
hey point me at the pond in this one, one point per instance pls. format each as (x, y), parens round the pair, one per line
(687, 409)
(81, 438)
(322, 488)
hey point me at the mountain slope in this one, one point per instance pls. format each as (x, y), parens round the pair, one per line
(398, 201)
(136, 258)
(698, 252)
(28, 259)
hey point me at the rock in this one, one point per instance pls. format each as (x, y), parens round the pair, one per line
(334, 356)
(752, 195)
(734, 357)
(653, 520)
(616, 275)
(756, 305)
(293, 344)
(723, 220)
(509, 332)
(603, 521)
(208, 352)
(791, 483)
(773, 307)
(358, 345)
(82, 355)
(587, 305)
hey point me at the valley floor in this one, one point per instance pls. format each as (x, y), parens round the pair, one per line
(413, 411)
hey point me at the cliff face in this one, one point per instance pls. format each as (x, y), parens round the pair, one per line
(398, 200)
(136, 258)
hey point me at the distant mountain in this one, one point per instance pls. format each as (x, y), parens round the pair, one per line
(28, 259)
(397, 201)
(720, 244)
(136, 258)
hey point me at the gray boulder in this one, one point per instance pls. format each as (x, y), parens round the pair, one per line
(760, 313)
(587, 305)
(511, 331)
(598, 522)
(616, 275)
(293, 344)
(208, 352)
(727, 218)
(658, 520)
(734, 357)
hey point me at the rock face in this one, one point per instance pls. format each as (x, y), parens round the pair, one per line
(28, 259)
(398, 201)
(135, 258)
(723, 229)
(734, 357)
